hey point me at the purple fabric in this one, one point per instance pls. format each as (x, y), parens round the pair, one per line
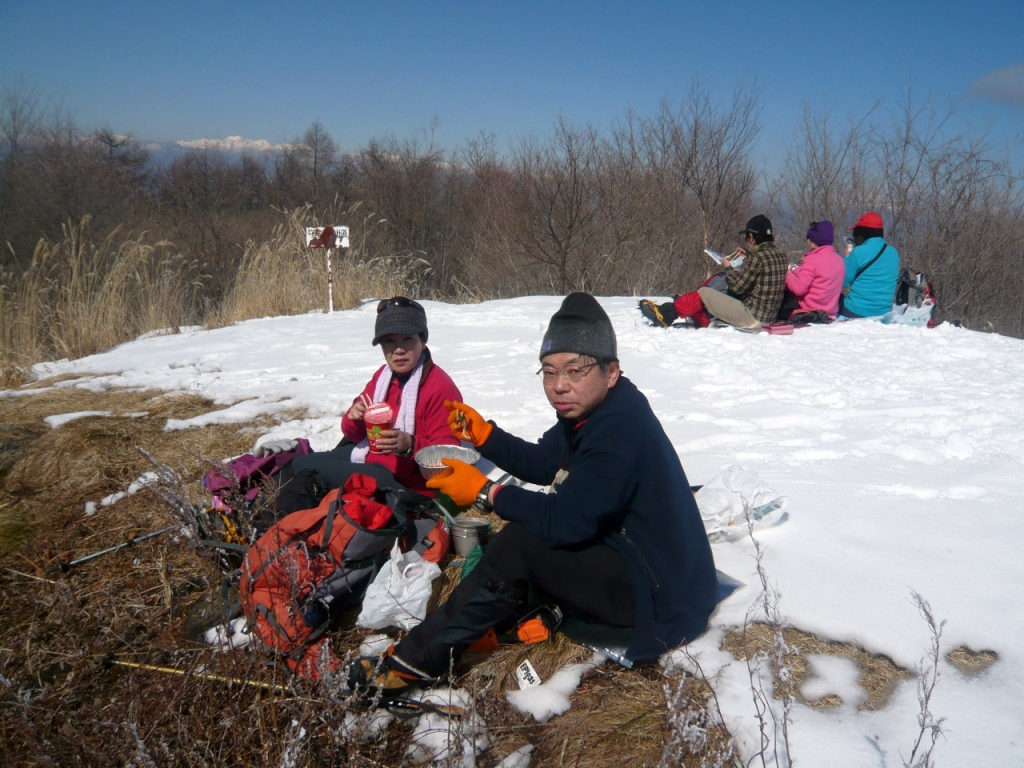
(821, 233)
(248, 470)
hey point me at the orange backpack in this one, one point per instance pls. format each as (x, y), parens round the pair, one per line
(313, 564)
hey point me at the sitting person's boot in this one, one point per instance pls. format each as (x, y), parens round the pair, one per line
(659, 314)
(385, 676)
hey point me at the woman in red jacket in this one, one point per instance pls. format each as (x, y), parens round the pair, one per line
(415, 388)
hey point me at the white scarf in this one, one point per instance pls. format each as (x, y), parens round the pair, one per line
(405, 420)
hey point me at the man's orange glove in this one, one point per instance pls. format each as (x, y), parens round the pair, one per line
(462, 485)
(467, 424)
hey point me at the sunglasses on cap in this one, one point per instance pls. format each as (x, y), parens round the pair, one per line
(397, 301)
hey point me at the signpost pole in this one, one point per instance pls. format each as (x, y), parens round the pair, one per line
(328, 238)
(330, 283)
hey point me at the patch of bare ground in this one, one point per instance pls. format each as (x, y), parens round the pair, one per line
(878, 673)
(969, 662)
(62, 701)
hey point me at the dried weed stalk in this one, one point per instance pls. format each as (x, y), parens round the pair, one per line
(929, 728)
(773, 726)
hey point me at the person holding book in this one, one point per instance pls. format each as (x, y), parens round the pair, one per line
(872, 269)
(755, 286)
(816, 283)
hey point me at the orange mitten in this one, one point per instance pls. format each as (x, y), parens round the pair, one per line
(463, 483)
(467, 424)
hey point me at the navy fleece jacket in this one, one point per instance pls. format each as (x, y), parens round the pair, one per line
(626, 488)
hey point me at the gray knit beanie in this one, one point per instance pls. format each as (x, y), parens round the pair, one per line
(580, 325)
(400, 315)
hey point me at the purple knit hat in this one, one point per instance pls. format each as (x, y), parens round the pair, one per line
(821, 233)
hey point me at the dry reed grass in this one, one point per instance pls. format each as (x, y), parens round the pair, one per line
(78, 297)
(878, 673)
(283, 277)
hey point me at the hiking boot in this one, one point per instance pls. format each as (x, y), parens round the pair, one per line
(659, 314)
(384, 676)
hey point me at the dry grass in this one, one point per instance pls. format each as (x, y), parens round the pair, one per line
(148, 604)
(283, 277)
(970, 662)
(78, 297)
(878, 673)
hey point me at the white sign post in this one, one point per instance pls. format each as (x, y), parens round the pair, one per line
(327, 238)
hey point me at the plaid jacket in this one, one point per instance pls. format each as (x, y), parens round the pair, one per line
(761, 281)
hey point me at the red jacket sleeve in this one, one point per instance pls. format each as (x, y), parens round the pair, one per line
(431, 415)
(356, 430)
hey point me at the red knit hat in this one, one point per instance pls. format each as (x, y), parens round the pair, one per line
(869, 220)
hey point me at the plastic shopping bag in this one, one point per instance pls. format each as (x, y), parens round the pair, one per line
(903, 314)
(726, 499)
(398, 595)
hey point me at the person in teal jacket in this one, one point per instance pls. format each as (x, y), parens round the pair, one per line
(872, 269)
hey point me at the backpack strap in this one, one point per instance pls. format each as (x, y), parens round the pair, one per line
(268, 615)
(334, 508)
(862, 269)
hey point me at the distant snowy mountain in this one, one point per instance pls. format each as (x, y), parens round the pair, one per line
(166, 152)
(234, 144)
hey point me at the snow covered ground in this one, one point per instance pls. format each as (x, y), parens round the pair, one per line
(901, 451)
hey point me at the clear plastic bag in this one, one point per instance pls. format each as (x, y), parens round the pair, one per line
(902, 314)
(398, 595)
(725, 499)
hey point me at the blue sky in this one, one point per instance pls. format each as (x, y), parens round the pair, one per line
(188, 70)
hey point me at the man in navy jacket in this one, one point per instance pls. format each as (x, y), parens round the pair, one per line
(619, 540)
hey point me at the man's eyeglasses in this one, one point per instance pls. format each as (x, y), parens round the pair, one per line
(397, 301)
(574, 373)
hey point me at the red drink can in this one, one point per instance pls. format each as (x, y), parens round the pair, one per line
(378, 417)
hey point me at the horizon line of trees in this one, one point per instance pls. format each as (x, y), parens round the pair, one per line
(623, 210)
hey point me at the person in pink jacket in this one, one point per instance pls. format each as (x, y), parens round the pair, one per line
(816, 282)
(415, 388)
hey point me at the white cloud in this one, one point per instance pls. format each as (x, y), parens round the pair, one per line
(1004, 85)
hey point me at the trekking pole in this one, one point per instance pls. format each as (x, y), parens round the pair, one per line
(66, 566)
(109, 661)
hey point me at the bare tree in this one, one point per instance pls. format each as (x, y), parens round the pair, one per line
(714, 154)
(408, 185)
(951, 200)
(319, 153)
(826, 173)
(21, 116)
(556, 198)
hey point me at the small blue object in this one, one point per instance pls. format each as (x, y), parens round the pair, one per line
(316, 614)
(726, 585)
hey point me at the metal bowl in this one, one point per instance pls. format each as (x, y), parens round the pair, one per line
(429, 459)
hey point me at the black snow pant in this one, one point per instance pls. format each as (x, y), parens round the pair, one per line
(517, 574)
(335, 466)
